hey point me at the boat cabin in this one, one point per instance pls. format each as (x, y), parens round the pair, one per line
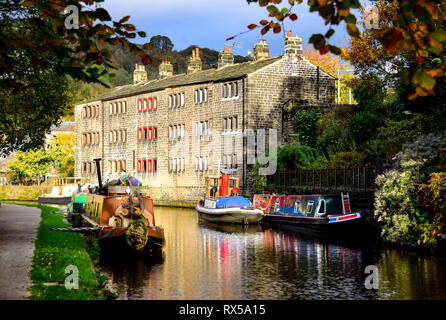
(314, 205)
(222, 186)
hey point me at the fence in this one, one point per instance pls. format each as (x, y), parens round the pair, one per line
(349, 179)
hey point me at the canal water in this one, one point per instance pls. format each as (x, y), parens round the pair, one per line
(202, 261)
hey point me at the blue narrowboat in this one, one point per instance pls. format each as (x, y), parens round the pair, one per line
(330, 213)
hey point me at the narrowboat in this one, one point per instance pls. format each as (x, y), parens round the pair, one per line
(120, 216)
(315, 213)
(62, 191)
(219, 207)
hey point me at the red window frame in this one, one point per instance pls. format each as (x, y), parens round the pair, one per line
(145, 104)
(149, 103)
(149, 165)
(138, 166)
(155, 165)
(144, 165)
(154, 106)
(144, 134)
(155, 133)
(139, 105)
(149, 133)
(84, 112)
(139, 134)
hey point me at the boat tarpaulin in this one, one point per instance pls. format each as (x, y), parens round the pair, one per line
(236, 201)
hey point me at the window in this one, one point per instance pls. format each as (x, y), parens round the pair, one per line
(144, 134)
(310, 206)
(149, 103)
(182, 99)
(155, 133)
(196, 163)
(205, 128)
(182, 164)
(201, 95)
(149, 133)
(196, 96)
(149, 165)
(139, 167)
(205, 163)
(155, 165)
(125, 107)
(139, 105)
(225, 91)
(205, 94)
(145, 107)
(321, 210)
(170, 101)
(84, 112)
(225, 124)
(123, 165)
(139, 134)
(144, 165)
(154, 104)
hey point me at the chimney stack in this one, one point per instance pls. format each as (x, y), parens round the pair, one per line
(293, 45)
(140, 74)
(261, 50)
(194, 61)
(165, 69)
(225, 57)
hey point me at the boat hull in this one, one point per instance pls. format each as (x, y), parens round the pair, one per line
(236, 215)
(312, 225)
(55, 200)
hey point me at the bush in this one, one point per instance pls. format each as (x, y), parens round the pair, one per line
(432, 208)
(350, 159)
(394, 134)
(396, 202)
(293, 157)
(363, 127)
(333, 137)
(305, 125)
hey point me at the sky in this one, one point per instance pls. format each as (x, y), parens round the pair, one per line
(208, 23)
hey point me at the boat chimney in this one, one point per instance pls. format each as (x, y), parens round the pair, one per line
(98, 170)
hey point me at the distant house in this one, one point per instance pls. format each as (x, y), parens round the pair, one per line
(170, 132)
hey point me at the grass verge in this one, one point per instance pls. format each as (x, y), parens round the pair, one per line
(54, 251)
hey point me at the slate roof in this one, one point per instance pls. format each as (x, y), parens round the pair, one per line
(229, 72)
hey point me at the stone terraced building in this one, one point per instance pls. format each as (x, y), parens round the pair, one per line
(173, 132)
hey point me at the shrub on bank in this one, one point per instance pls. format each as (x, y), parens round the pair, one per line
(23, 193)
(396, 203)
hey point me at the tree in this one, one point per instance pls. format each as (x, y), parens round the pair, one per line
(64, 142)
(29, 113)
(34, 164)
(409, 27)
(52, 37)
(162, 43)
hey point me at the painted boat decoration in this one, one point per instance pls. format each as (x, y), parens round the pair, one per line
(218, 207)
(62, 191)
(315, 213)
(120, 216)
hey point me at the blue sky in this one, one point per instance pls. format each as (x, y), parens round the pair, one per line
(208, 23)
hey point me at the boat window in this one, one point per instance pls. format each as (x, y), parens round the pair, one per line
(296, 206)
(321, 207)
(310, 206)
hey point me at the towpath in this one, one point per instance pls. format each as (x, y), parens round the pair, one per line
(18, 231)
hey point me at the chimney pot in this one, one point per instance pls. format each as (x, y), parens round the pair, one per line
(140, 74)
(289, 34)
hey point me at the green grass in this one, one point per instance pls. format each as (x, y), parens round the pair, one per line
(54, 251)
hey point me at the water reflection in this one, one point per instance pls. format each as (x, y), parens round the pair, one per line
(203, 261)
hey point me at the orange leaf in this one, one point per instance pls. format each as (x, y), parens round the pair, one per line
(435, 72)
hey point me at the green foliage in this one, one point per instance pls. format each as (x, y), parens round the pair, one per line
(34, 164)
(432, 209)
(396, 204)
(258, 181)
(363, 127)
(37, 29)
(54, 251)
(394, 134)
(305, 123)
(333, 137)
(368, 91)
(346, 159)
(293, 157)
(28, 114)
